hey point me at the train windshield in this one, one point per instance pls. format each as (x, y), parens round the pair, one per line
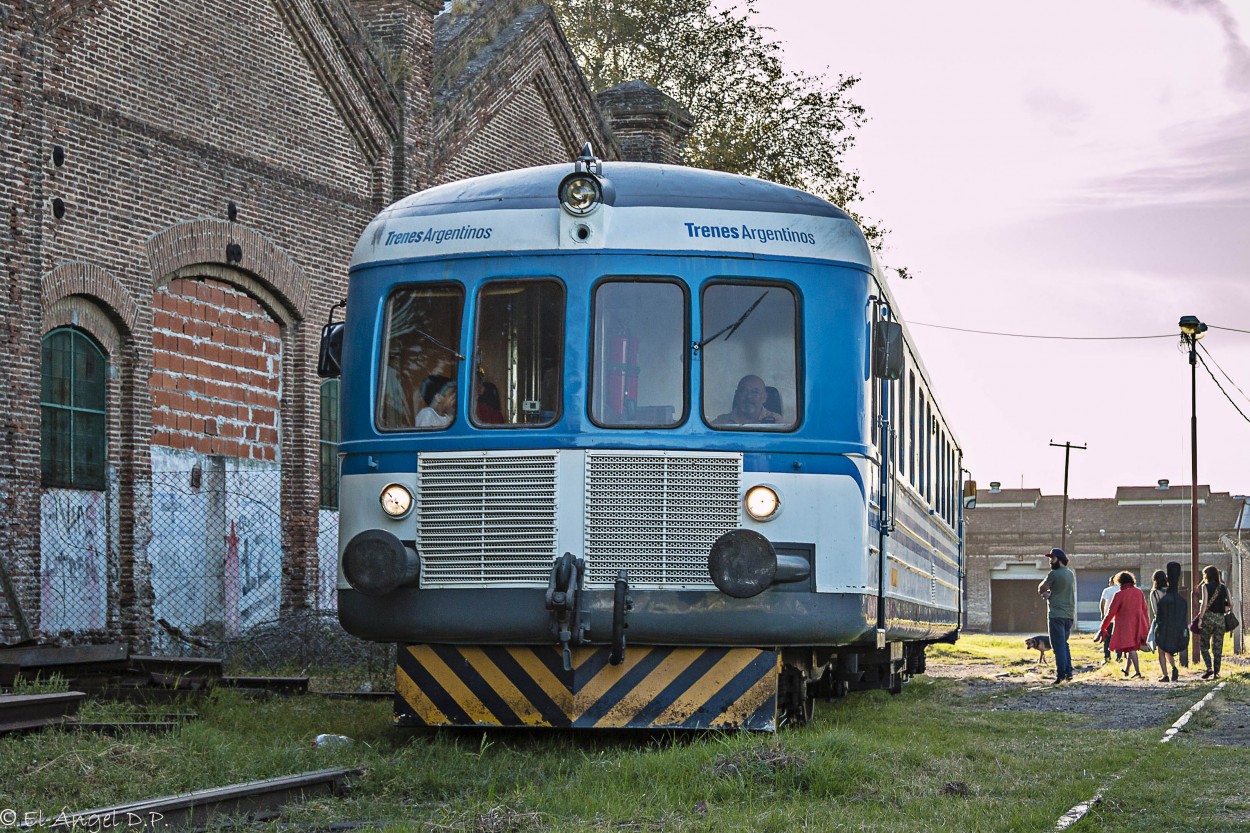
(640, 360)
(518, 353)
(416, 388)
(750, 357)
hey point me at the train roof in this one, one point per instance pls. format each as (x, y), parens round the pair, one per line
(645, 207)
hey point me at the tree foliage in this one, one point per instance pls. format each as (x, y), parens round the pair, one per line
(752, 115)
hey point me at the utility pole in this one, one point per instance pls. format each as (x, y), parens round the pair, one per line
(1067, 453)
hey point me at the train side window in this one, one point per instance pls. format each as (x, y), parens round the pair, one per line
(420, 357)
(518, 354)
(750, 338)
(639, 360)
(912, 457)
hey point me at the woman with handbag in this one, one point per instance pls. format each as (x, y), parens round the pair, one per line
(1215, 603)
(1132, 622)
(1172, 623)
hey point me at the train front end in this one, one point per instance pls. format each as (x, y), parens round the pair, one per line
(607, 455)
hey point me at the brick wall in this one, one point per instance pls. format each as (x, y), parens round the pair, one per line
(216, 371)
(215, 162)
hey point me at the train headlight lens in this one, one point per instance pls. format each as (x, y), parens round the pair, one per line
(396, 500)
(580, 194)
(762, 503)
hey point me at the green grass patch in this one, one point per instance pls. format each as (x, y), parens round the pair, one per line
(925, 760)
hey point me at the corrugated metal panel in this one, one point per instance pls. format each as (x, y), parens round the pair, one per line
(490, 517)
(657, 515)
(486, 518)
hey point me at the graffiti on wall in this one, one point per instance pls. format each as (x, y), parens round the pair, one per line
(216, 542)
(74, 530)
(327, 560)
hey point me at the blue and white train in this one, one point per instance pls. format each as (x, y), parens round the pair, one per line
(630, 445)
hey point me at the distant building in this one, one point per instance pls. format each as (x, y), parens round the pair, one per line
(1139, 530)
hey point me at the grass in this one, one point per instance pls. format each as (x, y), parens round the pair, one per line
(925, 760)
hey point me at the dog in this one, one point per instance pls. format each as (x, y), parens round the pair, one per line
(1041, 644)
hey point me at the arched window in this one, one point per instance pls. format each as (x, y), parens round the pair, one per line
(330, 444)
(72, 407)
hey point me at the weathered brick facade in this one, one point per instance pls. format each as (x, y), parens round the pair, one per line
(184, 182)
(1139, 530)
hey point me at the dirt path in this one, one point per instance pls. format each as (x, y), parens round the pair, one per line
(1110, 702)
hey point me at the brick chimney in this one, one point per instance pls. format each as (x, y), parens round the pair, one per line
(649, 126)
(403, 35)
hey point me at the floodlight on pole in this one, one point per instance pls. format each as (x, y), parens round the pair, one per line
(1191, 330)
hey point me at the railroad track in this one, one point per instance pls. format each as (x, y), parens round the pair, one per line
(255, 799)
(24, 712)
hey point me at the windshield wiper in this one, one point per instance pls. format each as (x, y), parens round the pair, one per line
(437, 343)
(732, 328)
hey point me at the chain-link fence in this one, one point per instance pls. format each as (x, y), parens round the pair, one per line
(214, 564)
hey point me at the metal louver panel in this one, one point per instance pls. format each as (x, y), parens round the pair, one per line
(486, 518)
(657, 515)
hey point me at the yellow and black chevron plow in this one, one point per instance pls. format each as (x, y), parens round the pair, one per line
(655, 688)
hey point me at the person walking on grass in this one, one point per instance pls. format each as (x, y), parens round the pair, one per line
(1215, 603)
(1132, 622)
(1171, 623)
(1104, 604)
(1059, 591)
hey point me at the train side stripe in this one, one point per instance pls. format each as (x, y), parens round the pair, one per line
(706, 688)
(613, 684)
(459, 698)
(750, 688)
(472, 669)
(415, 699)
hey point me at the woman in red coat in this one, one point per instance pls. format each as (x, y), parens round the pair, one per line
(1132, 621)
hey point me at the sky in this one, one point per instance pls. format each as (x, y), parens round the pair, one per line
(1070, 169)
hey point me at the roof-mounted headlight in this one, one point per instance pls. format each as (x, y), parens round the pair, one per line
(580, 194)
(582, 191)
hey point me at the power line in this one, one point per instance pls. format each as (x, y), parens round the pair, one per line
(1221, 387)
(1223, 371)
(1026, 335)
(1061, 338)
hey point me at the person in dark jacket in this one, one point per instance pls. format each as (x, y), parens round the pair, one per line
(1171, 623)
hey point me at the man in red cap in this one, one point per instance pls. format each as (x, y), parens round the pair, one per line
(1059, 591)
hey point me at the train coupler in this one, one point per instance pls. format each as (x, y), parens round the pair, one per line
(569, 623)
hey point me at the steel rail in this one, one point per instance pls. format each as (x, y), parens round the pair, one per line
(21, 712)
(195, 809)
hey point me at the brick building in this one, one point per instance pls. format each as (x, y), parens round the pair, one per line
(1140, 530)
(183, 186)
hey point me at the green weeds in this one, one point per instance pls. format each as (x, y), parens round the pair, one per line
(925, 760)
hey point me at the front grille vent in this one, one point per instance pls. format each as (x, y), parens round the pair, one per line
(657, 515)
(486, 518)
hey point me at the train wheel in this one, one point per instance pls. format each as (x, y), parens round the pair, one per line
(797, 707)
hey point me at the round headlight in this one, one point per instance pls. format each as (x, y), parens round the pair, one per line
(396, 500)
(580, 194)
(762, 503)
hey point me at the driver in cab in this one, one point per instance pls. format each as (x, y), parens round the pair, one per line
(748, 405)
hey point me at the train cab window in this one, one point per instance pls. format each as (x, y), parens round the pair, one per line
(639, 358)
(518, 354)
(749, 343)
(420, 351)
